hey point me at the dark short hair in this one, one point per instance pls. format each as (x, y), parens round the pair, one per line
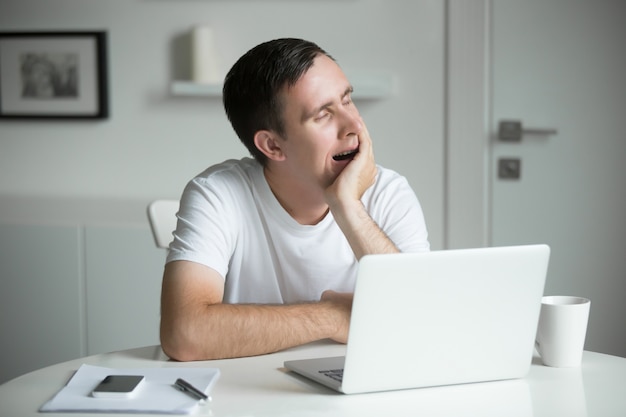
(252, 87)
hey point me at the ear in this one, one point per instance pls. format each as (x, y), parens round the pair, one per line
(269, 143)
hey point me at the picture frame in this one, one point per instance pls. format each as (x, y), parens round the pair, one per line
(53, 75)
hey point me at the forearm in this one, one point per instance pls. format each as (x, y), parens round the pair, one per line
(235, 330)
(363, 234)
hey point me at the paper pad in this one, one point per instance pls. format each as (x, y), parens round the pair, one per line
(156, 395)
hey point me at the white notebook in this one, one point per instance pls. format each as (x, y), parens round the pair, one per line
(439, 318)
(157, 395)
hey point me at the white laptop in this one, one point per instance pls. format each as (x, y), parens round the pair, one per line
(438, 318)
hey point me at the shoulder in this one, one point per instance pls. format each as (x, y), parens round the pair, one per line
(386, 174)
(233, 174)
(387, 180)
(230, 180)
(232, 169)
(389, 190)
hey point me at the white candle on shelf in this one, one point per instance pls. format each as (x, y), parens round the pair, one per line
(205, 67)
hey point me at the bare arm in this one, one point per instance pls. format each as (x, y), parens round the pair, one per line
(344, 199)
(196, 325)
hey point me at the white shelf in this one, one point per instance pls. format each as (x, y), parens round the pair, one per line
(366, 87)
(190, 88)
(372, 86)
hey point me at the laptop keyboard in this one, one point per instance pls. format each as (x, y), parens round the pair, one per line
(336, 374)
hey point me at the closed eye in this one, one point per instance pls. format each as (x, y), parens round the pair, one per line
(322, 116)
(347, 96)
(325, 111)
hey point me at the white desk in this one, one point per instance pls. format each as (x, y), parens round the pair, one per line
(260, 386)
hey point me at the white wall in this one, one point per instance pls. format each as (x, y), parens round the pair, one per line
(83, 186)
(154, 142)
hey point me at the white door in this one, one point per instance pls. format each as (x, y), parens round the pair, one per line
(562, 65)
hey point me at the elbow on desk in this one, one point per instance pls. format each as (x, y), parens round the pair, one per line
(178, 347)
(175, 353)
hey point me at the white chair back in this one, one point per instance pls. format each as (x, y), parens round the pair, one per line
(162, 218)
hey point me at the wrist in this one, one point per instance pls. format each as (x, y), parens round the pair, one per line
(338, 308)
(346, 210)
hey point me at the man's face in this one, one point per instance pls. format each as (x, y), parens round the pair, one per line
(321, 124)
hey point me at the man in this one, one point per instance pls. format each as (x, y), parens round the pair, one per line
(266, 249)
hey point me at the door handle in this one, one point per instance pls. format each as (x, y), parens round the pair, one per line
(512, 131)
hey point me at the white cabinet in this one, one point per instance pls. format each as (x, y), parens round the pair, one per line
(75, 288)
(123, 275)
(40, 297)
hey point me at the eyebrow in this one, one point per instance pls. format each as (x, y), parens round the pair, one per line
(307, 115)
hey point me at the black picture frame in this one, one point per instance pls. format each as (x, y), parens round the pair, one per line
(53, 75)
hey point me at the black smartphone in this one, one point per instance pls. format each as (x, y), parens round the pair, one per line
(118, 386)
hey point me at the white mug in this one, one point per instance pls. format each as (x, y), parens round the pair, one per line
(562, 330)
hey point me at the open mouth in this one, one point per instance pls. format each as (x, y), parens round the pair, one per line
(346, 155)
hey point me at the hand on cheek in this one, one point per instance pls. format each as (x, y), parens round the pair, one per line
(358, 175)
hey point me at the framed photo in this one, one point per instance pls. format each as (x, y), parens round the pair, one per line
(53, 75)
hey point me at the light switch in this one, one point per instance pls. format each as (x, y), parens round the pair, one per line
(509, 168)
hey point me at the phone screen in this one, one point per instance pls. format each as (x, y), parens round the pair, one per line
(118, 386)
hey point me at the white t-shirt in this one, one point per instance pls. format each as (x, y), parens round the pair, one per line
(230, 221)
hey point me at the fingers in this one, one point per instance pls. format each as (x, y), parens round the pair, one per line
(366, 155)
(364, 134)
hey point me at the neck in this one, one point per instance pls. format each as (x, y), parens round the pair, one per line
(305, 203)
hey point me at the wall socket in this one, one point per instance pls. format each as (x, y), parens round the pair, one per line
(509, 168)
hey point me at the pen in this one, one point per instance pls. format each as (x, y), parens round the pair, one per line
(190, 389)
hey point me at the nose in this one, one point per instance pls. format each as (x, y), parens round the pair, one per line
(351, 123)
